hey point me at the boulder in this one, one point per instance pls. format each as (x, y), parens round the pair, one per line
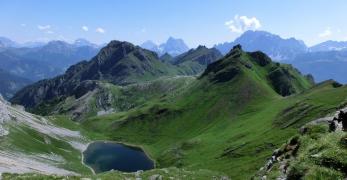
(156, 177)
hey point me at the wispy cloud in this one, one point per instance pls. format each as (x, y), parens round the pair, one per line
(100, 30)
(241, 24)
(23, 25)
(326, 33)
(44, 27)
(85, 28)
(50, 32)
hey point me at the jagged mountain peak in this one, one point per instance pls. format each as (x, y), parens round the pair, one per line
(201, 47)
(172, 39)
(114, 44)
(120, 49)
(276, 47)
(172, 46)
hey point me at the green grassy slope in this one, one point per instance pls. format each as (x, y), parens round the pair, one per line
(231, 138)
(230, 120)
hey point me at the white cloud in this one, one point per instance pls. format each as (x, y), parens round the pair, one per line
(50, 32)
(43, 27)
(85, 28)
(241, 24)
(23, 25)
(100, 30)
(326, 33)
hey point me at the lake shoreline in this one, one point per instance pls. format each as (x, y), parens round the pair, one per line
(140, 147)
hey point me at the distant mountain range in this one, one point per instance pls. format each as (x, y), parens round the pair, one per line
(8, 43)
(44, 61)
(329, 46)
(273, 45)
(10, 83)
(172, 46)
(83, 42)
(323, 65)
(22, 64)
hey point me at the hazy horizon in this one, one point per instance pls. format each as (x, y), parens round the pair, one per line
(207, 23)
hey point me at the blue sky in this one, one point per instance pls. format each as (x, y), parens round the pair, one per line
(196, 21)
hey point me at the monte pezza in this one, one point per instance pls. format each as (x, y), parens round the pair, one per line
(118, 63)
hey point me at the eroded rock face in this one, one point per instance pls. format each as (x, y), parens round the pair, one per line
(342, 118)
(4, 117)
(261, 58)
(14, 161)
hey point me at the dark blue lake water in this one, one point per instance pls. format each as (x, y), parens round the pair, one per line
(105, 156)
